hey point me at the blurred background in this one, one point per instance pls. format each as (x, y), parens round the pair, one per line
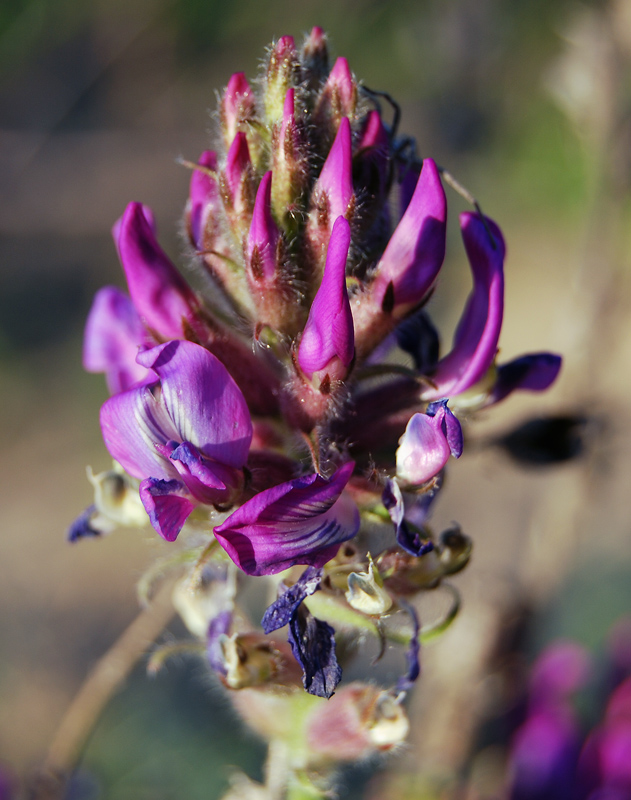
(528, 104)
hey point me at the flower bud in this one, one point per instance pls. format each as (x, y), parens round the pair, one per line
(238, 186)
(238, 108)
(283, 72)
(338, 99)
(332, 197)
(426, 445)
(290, 164)
(315, 59)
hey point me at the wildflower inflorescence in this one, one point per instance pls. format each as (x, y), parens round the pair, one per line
(299, 412)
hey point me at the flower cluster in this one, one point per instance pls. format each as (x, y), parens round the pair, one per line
(297, 411)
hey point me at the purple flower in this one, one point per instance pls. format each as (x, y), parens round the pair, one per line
(475, 342)
(415, 253)
(327, 344)
(408, 536)
(186, 435)
(161, 296)
(427, 443)
(113, 335)
(302, 521)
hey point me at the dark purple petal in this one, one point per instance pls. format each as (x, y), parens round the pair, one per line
(475, 342)
(283, 609)
(328, 337)
(417, 336)
(408, 538)
(168, 504)
(416, 249)
(207, 480)
(313, 645)
(302, 521)
(370, 167)
(160, 294)
(534, 372)
(113, 334)
(264, 234)
(407, 681)
(219, 626)
(450, 425)
(82, 528)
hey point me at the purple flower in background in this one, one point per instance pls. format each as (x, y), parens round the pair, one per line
(186, 435)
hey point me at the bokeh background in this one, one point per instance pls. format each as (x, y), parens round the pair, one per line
(528, 103)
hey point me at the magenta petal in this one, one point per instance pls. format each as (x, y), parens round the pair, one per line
(264, 234)
(328, 334)
(423, 449)
(204, 403)
(160, 294)
(168, 505)
(302, 521)
(475, 342)
(203, 196)
(416, 249)
(113, 334)
(336, 178)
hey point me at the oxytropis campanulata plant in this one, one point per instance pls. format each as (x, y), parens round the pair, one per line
(292, 420)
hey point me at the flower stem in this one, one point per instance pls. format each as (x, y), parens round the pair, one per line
(99, 687)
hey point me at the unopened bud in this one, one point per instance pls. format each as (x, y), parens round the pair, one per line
(238, 108)
(338, 99)
(283, 72)
(315, 58)
(290, 164)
